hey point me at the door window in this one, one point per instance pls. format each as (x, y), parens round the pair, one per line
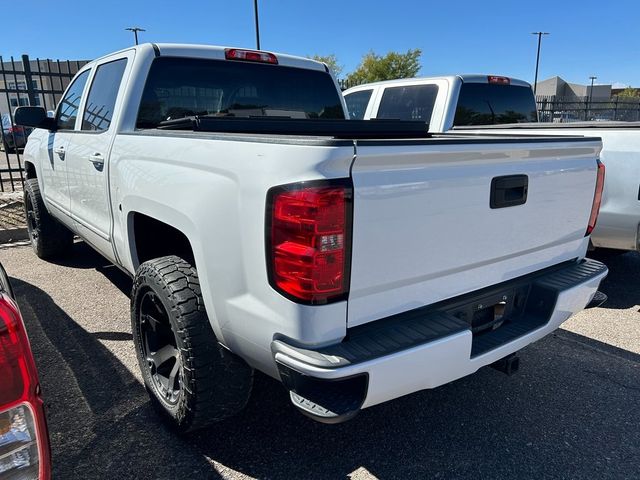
(98, 110)
(68, 106)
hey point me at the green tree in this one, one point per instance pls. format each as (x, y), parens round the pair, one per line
(374, 67)
(629, 92)
(332, 62)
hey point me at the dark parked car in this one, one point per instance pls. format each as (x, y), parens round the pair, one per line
(24, 439)
(13, 136)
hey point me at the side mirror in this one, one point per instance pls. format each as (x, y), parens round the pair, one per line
(33, 117)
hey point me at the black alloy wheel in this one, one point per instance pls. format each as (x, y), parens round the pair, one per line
(160, 350)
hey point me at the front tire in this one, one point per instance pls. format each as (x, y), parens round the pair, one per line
(49, 238)
(191, 380)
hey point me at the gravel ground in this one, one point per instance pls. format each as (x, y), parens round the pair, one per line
(11, 211)
(573, 410)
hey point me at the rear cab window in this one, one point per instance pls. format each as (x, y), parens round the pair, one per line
(182, 87)
(410, 102)
(494, 104)
(357, 103)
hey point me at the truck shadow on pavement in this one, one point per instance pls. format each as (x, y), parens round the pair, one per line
(622, 285)
(570, 412)
(84, 257)
(101, 424)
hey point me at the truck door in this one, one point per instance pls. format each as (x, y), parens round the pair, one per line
(54, 160)
(88, 154)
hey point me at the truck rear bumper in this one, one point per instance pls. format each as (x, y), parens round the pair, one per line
(432, 346)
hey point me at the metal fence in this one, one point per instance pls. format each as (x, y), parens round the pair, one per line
(345, 84)
(26, 82)
(576, 109)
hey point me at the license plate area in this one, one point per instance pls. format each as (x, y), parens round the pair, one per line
(494, 311)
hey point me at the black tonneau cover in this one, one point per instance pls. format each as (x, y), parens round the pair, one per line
(336, 128)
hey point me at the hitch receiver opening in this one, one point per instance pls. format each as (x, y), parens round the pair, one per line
(509, 364)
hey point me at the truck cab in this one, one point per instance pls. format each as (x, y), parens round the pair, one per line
(445, 102)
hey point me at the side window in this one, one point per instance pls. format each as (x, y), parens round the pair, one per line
(68, 107)
(357, 103)
(98, 111)
(414, 102)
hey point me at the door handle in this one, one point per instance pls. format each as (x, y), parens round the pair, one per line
(97, 159)
(60, 152)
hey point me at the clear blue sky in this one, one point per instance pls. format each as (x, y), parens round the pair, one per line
(588, 37)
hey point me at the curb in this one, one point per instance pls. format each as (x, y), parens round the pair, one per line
(13, 235)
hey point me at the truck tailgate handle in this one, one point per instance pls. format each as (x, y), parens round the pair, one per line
(508, 191)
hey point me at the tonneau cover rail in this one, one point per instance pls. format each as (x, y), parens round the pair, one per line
(336, 128)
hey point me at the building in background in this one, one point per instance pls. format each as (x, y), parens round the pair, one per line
(558, 87)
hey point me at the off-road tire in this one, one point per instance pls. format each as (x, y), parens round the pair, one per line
(49, 238)
(214, 384)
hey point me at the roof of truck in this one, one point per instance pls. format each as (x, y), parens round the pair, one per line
(214, 52)
(468, 78)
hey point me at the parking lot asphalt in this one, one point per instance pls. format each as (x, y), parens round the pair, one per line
(572, 411)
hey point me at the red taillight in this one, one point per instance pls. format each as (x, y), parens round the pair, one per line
(597, 199)
(250, 56)
(499, 80)
(24, 440)
(308, 240)
(15, 129)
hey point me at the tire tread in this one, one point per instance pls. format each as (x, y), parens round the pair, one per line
(53, 238)
(218, 383)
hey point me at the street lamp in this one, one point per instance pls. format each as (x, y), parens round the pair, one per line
(535, 82)
(135, 31)
(255, 9)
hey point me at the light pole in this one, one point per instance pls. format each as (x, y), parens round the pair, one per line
(535, 82)
(255, 8)
(135, 31)
(592, 78)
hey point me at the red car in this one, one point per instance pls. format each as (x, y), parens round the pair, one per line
(24, 439)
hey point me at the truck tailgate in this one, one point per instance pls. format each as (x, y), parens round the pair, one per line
(424, 229)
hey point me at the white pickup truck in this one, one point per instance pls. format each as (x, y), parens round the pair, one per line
(493, 104)
(356, 262)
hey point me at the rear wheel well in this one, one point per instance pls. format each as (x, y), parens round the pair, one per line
(154, 239)
(30, 170)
